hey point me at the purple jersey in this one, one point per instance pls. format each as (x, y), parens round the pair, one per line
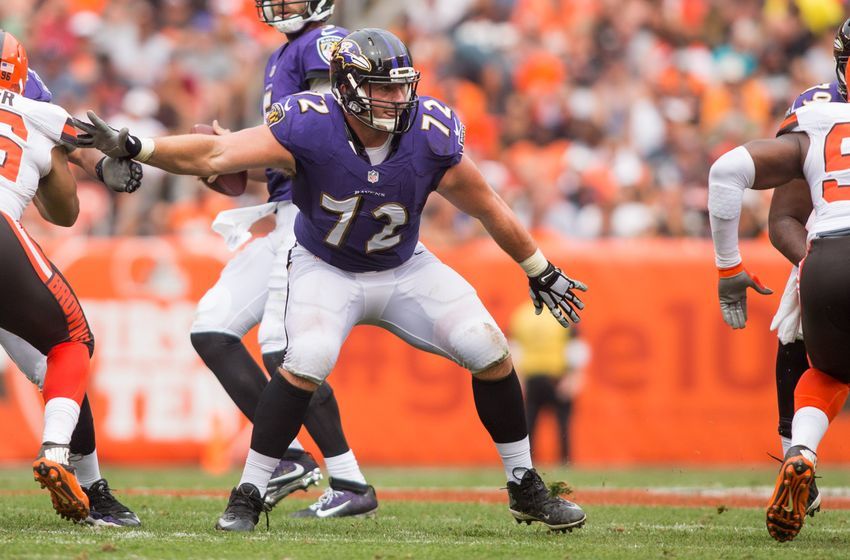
(35, 88)
(827, 92)
(354, 215)
(289, 70)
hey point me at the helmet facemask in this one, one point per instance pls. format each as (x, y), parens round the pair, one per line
(301, 13)
(373, 79)
(841, 53)
(359, 98)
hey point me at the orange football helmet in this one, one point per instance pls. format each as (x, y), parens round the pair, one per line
(13, 63)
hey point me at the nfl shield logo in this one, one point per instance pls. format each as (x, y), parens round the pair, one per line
(372, 176)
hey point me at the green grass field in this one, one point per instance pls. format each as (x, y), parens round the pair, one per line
(178, 524)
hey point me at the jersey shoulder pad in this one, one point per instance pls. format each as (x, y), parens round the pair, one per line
(36, 89)
(317, 46)
(820, 93)
(51, 120)
(442, 129)
(817, 118)
(789, 124)
(303, 123)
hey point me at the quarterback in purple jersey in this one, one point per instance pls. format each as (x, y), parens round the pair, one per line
(364, 159)
(252, 286)
(105, 509)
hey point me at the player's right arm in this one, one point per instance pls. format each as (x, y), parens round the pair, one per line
(56, 198)
(760, 164)
(201, 155)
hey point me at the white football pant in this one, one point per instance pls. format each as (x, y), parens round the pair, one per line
(240, 298)
(423, 301)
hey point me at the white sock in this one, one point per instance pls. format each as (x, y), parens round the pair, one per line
(345, 467)
(60, 419)
(87, 469)
(786, 443)
(808, 427)
(258, 470)
(515, 454)
(58, 454)
(296, 445)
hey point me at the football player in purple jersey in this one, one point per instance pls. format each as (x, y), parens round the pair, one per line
(363, 161)
(105, 510)
(790, 209)
(252, 286)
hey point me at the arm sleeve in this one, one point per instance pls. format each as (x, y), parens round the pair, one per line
(729, 177)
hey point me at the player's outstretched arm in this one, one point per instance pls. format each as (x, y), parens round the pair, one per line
(465, 187)
(757, 165)
(201, 155)
(790, 208)
(56, 198)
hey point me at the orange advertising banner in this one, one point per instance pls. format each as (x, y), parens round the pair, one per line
(668, 381)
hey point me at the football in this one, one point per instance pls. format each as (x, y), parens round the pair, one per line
(230, 184)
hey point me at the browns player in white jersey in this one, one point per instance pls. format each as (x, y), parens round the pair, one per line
(36, 302)
(813, 144)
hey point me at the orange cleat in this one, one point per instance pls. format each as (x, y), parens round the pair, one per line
(788, 505)
(53, 473)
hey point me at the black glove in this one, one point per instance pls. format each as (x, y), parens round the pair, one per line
(553, 288)
(120, 175)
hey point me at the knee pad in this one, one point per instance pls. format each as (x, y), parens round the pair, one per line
(478, 345)
(213, 311)
(311, 356)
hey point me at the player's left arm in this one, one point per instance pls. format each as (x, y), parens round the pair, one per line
(465, 187)
(56, 197)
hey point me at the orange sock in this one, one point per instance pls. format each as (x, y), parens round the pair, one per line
(67, 372)
(821, 391)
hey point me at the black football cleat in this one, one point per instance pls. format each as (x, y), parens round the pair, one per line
(105, 510)
(530, 500)
(243, 509)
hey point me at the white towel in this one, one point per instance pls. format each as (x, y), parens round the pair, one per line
(233, 225)
(787, 322)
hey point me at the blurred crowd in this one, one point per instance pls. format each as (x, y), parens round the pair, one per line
(592, 118)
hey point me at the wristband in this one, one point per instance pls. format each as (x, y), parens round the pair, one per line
(731, 271)
(146, 150)
(535, 264)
